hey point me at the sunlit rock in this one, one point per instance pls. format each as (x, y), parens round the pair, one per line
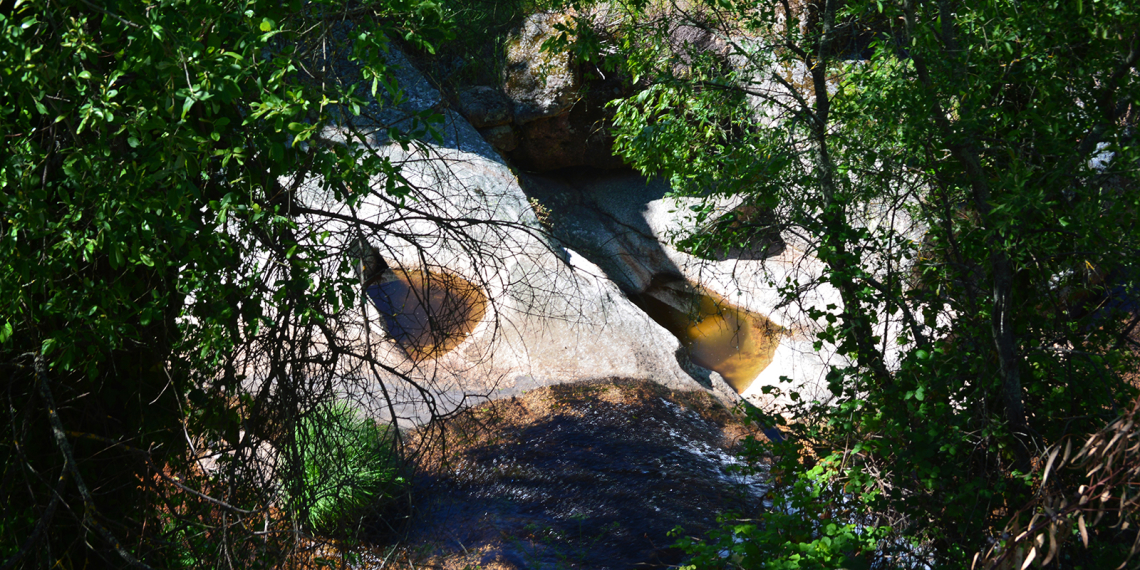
(550, 316)
(540, 83)
(625, 224)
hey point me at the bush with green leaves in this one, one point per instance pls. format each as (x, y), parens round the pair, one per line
(154, 254)
(812, 521)
(965, 172)
(351, 469)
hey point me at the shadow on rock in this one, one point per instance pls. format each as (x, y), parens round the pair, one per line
(582, 476)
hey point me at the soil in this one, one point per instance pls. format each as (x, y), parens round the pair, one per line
(594, 475)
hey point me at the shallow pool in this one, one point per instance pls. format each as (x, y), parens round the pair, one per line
(732, 341)
(427, 313)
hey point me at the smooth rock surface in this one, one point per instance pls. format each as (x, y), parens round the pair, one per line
(552, 315)
(625, 223)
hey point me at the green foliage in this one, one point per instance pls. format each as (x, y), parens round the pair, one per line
(1001, 308)
(351, 468)
(132, 147)
(809, 525)
(150, 238)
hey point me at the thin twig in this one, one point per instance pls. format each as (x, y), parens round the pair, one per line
(105, 12)
(60, 436)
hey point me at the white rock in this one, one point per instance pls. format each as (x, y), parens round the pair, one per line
(552, 316)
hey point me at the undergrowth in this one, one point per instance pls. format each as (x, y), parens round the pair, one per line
(351, 470)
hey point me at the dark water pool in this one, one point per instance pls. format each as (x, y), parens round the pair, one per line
(427, 313)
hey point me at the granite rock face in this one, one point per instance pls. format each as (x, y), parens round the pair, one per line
(540, 83)
(485, 106)
(624, 223)
(552, 316)
(559, 283)
(549, 114)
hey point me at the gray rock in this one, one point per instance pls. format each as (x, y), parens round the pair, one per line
(625, 223)
(539, 83)
(552, 316)
(689, 41)
(456, 133)
(501, 137)
(419, 94)
(485, 107)
(558, 310)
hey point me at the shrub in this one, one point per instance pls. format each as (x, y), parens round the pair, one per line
(351, 469)
(810, 520)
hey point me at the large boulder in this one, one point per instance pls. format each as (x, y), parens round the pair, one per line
(559, 116)
(551, 315)
(625, 224)
(540, 83)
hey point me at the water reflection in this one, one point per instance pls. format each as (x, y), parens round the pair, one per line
(734, 342)
(427, 313)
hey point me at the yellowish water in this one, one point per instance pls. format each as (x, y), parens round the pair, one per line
(736, 343)
(428, 313)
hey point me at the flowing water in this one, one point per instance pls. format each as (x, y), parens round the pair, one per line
(427, 313)
(734, 342)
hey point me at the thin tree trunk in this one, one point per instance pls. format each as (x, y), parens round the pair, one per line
(1001, 329)
(834, 219)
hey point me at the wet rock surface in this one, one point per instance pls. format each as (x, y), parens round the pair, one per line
(592, 475)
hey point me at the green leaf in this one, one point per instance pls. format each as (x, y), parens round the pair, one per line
(5, 332)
